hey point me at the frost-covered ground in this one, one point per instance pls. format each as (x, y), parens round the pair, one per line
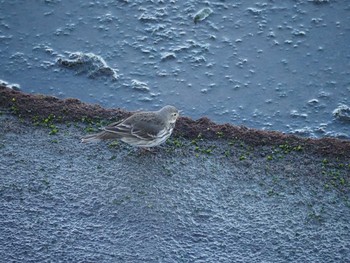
(208, 201)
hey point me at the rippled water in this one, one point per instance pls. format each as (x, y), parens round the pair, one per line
(280, 65)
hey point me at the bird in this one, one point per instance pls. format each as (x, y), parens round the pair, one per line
(143, 129)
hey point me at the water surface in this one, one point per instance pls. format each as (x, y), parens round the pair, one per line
(274, 65)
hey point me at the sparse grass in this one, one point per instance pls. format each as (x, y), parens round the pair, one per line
(47, 122)
(14, 107)
(90, 129)
(242, 157)
(220, 134)
(205, 150)
(286, 148)
(93, 123)
(54, 129)
(336, 175)
(198, 145)
(114, 144)
(197, 140)
(177, 143)
(282, 150)
(227, 153)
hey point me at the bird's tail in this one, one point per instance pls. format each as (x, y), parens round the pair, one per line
(104, 135)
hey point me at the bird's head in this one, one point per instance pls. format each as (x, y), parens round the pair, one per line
(170, 112)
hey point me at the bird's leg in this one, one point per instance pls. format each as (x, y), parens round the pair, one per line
(146, 149)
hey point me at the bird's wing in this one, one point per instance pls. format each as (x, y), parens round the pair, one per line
(115, 123)
(145, 130)
(142, 129)
(119, 128)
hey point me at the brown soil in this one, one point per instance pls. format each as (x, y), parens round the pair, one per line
(29, 106)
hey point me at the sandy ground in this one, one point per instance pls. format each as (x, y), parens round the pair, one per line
(191, 200)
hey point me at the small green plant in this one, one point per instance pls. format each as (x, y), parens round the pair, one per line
(35, 120)
(298, 148)
(54, 129)
(207, 151)
(286, 148)
(87, 120)
(14, 108)
(220, 134)
(114, 144)
(335, 175)
(46, 122)
(177, 143)
(242, 157)
(196, 140)
(90, 129)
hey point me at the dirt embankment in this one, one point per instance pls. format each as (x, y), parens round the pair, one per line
(30, 106)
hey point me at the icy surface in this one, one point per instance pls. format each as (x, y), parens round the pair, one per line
(244, 62)
(342, 113)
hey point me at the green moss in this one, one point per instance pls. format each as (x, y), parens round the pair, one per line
(14, 109)
(90, 129)
(220, 134)
(54, 129)
(197, 140)
(298, 148)
(177, 143)
(114, 144)
(336, 175)
(47, 122)
(286, 148)
(242, 157)
(207, 151)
